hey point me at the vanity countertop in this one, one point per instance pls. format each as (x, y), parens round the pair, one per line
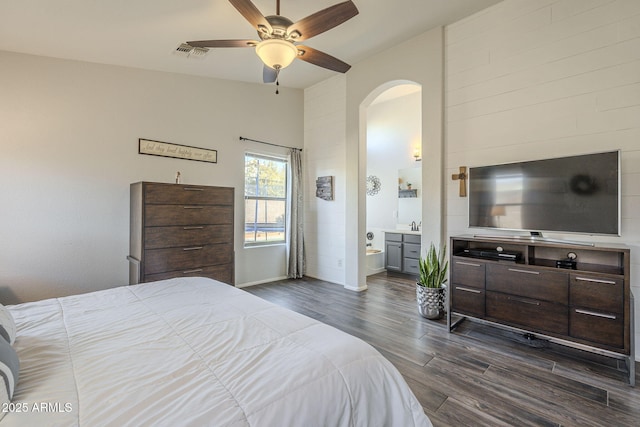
(403, 231)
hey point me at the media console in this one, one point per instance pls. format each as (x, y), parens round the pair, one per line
(571, 294)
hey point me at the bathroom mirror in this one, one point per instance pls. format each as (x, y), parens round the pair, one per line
(409, 195)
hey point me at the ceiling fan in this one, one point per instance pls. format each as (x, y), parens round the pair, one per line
(279, 36)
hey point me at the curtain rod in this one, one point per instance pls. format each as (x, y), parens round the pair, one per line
(242, 138)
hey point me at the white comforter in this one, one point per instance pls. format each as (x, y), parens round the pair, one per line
(196, 352)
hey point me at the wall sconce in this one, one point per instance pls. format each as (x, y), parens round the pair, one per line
(416, 154)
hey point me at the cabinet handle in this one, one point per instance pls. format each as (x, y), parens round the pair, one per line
(475, 291)
(193, 189)
(471, 264)
(197, 270)
(587, 279)
(524, 301)
(193, 207)
(193, 227)
(195, 248)
(593, 313)
(515, 270)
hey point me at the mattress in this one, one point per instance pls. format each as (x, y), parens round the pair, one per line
(196, 352)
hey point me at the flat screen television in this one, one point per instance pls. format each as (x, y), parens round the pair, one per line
(576, 194)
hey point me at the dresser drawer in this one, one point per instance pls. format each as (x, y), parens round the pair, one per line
(600, 327)
(187, 258)
(161, 215)
(528, 313)
(467, 272)
(187, 235)
(597, 292)
(468, 300)
(411, 250)
(179, 194)
(532, 283)
(218, 272)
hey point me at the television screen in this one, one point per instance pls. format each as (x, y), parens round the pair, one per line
(577, 194)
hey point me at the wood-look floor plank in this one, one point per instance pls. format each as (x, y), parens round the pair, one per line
(477, 376)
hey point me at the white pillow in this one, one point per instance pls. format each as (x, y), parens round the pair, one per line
(7, 325)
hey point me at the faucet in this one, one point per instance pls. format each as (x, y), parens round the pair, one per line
(414, 227)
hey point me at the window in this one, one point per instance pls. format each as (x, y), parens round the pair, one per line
(265, 200)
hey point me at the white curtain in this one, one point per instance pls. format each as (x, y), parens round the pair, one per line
(296, 263)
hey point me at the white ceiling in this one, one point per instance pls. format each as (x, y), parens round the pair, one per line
(145, 33)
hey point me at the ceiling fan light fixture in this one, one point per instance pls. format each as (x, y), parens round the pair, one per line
(276, 53)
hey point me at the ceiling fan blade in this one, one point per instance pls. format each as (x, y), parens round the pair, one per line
(323, 20)
(269, 75)
(251, 14)
(223, 43)
(322, 59)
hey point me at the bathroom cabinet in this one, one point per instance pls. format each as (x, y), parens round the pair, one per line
(402, 252)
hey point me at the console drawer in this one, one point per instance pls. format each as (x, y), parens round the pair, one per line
(596, 326)
(467, 272)
(529, 313)
(467, 300)
(598, 292)
(531, 283)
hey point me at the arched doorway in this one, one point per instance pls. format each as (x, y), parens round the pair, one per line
(394, 167)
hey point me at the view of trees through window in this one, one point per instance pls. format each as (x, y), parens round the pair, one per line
(265, 199)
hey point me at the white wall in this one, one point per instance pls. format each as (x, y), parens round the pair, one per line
(324, 154)
(528, 80)
(335, 140)
(69, 139)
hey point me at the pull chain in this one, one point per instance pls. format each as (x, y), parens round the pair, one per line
(277, 80)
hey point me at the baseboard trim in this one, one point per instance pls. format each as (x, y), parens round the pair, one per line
(260, 282)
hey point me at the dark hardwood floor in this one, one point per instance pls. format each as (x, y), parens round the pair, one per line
(478, 375)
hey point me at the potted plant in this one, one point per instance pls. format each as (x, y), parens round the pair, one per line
(430, 287)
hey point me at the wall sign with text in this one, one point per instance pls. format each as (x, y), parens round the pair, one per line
(166, 149)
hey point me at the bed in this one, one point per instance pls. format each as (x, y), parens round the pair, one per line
(195, 352)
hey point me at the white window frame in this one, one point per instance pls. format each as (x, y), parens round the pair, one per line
(285, 199)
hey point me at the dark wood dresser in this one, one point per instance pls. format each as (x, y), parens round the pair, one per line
(179, 230)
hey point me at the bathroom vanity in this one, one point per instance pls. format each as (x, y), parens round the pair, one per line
(402, 249)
